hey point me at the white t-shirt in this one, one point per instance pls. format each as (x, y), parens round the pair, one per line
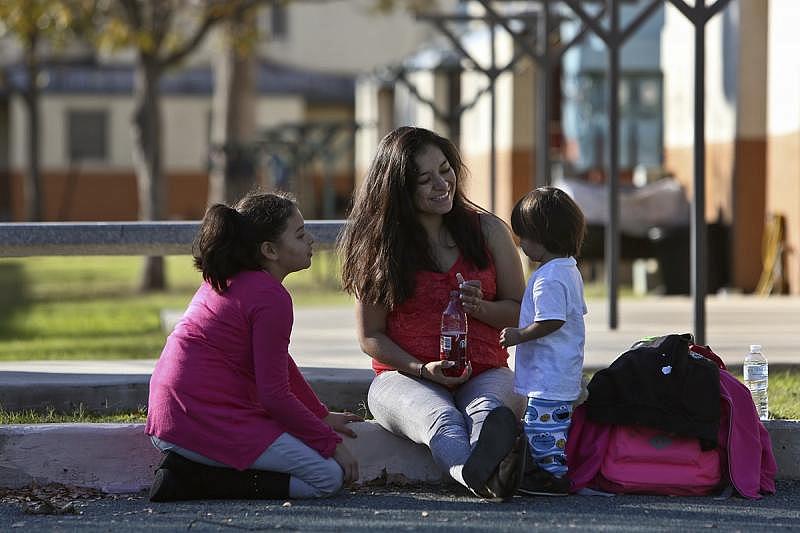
(550, 367)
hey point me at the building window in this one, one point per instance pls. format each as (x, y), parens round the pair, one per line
(87, 135)
(279, 21)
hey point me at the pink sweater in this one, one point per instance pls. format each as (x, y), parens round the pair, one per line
(225, 386)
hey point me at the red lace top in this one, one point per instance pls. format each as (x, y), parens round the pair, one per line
(415, 325)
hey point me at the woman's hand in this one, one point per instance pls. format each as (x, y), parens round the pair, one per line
(348, 463)
(434, 371)
(510, 337)
(471, 294)
(338, 422)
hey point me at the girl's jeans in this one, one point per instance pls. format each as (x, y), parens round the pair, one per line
(447, 421)
(311, 476)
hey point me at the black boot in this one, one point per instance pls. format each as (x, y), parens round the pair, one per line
(505, 481)
(498, 436)
(178, 478)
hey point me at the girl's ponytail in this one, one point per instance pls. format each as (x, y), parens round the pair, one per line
(218, 249)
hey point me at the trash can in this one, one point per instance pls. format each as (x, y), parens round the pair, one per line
(672, 251)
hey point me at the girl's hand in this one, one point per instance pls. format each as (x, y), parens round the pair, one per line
(338, 422)
(348, 463)
(471, 294)
(510, 337)
(434, 371)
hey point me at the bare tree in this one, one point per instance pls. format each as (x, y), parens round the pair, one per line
(233, 111)
(162, 33)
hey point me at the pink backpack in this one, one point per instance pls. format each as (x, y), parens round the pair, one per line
(645, 460)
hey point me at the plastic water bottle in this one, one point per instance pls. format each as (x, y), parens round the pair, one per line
(756, 377)
(453, 339)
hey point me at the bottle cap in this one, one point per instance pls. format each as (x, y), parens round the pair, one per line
(755, 348)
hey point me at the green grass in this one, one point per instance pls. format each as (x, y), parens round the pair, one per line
(784, 393)
(79, 415)
(784, 403)
(89, 308)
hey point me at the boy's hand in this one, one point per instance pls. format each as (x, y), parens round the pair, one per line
(510, 337)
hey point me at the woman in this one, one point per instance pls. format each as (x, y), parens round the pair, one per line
(228, 406)
(409, 234)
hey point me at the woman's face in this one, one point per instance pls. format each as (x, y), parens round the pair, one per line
(436, 182)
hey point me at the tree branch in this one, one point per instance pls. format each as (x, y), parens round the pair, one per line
(211, 18)
(133, 10)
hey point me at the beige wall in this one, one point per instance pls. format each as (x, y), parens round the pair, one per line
(348, 35)
(185, 128)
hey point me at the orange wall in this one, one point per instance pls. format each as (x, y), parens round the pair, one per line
(108, 196)
(104, 196)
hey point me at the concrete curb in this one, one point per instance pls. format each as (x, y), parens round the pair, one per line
(785, 437)
(119, 458)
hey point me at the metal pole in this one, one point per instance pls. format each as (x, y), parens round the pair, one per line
(698, 219)
(493, 124)
(612, 228)
(454, 103)
(542, 173)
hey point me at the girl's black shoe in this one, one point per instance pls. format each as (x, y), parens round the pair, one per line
(177, 478)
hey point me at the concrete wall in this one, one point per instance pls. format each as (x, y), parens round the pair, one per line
(783, 126)
(677, 60)
(513, 126)
(348, 35)
(736, 123)
(181, 114)
(106, 190)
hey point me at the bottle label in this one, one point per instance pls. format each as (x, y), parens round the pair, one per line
(446, 343)
(453, 347)
(755, 373)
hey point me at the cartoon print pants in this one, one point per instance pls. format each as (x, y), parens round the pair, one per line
(546, 427)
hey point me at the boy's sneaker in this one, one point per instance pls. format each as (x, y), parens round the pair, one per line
(538, 482)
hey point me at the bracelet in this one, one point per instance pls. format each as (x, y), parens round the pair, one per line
(419, 374)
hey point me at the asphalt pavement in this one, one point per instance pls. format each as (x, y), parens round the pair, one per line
(426, 509)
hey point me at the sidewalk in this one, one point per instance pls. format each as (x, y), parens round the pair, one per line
(325, 347)
(325, 337)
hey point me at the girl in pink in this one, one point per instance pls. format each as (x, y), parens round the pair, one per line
(228, 407)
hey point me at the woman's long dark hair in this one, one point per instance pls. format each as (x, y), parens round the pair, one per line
(230, 238)
(383, 244)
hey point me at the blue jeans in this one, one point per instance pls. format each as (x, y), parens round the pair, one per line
(311, 475)
(447, 421)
